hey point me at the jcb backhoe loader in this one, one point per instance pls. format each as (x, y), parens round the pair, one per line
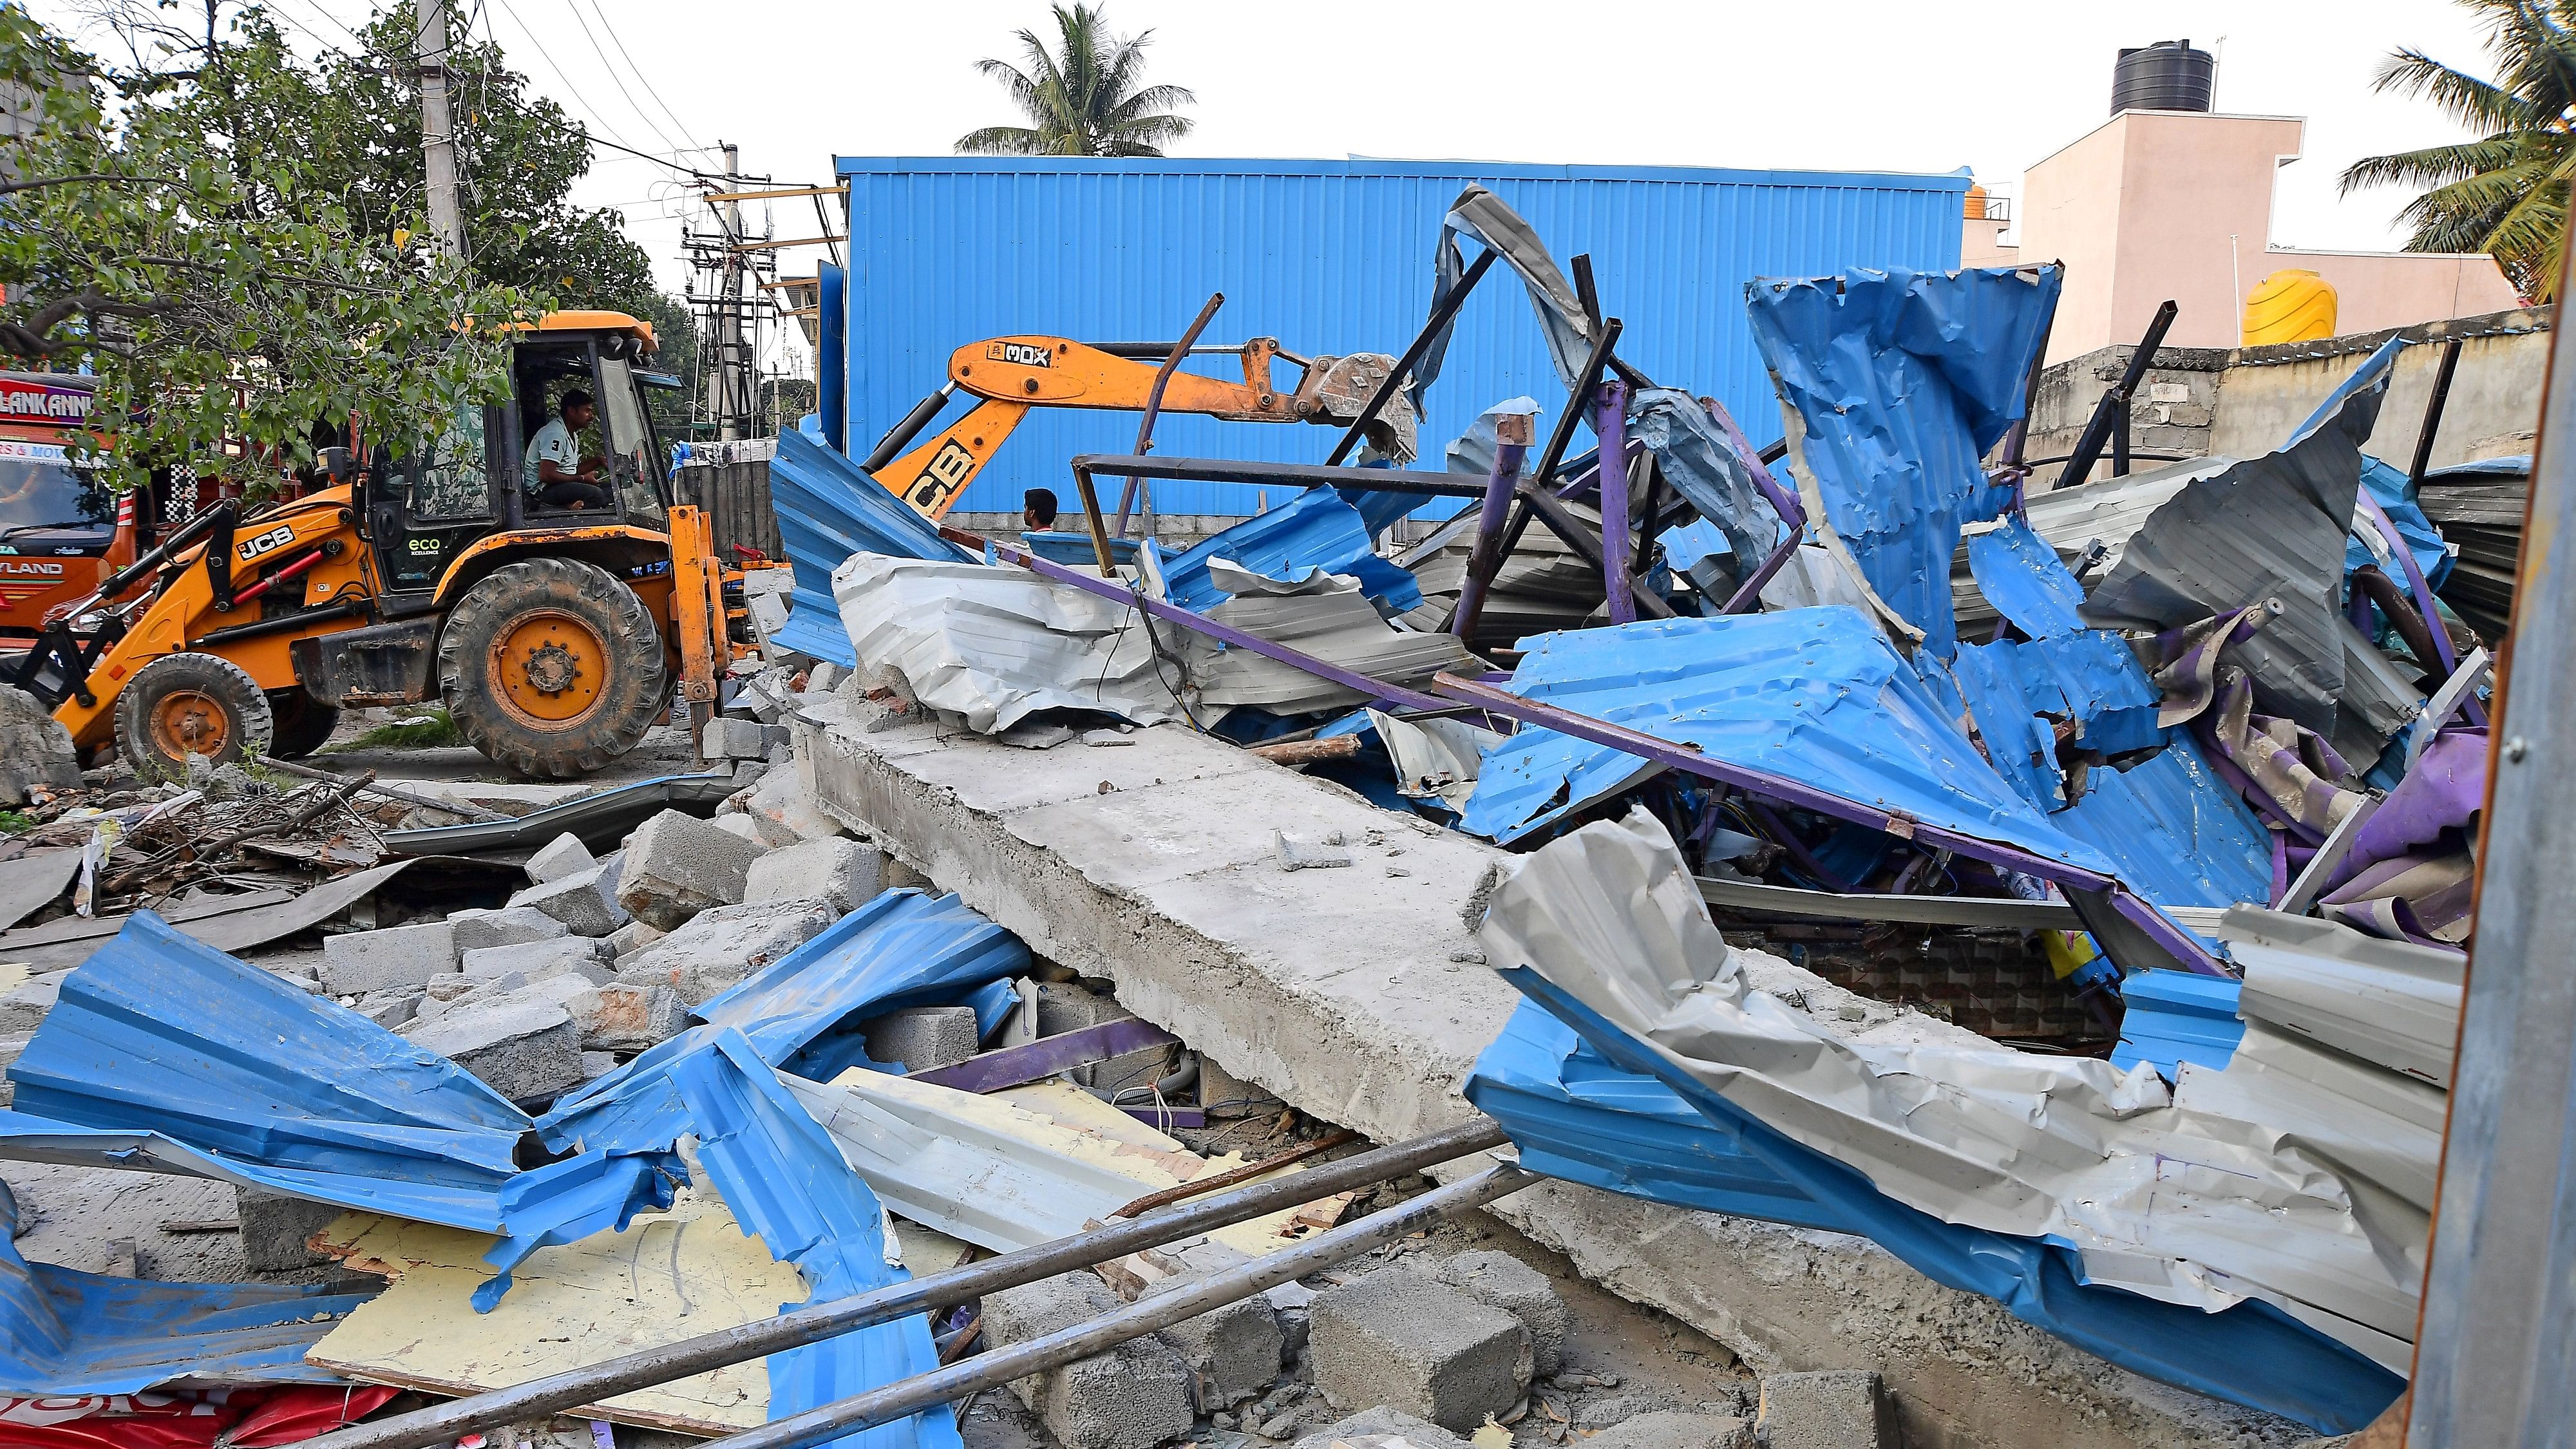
(552, 633)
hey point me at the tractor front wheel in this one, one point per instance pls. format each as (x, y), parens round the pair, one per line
(552, 667)
(190, 704)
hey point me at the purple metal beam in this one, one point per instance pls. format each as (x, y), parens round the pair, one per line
(1610, 424)
(1783, 502)
(2186, 947)
(1154, 403)
(2415, 583)
(1038, 1060)
(1749, 592)
(1513, 432)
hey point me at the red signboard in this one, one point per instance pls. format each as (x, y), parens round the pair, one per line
(44, 403)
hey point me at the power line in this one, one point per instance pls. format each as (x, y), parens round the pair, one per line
(562, 75)
(640, 75)
(616, 79)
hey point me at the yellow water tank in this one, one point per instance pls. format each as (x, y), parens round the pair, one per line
(1976, 202)
(2289, 306)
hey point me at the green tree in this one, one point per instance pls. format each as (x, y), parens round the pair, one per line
(221, 293)
(2505, 192)
(1083, 99)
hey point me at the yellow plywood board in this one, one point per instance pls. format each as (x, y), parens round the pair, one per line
(668, 1276)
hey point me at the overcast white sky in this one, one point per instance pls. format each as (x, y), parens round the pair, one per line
(1855, 85)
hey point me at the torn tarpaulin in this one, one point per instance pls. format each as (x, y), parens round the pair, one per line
(2268, 1290)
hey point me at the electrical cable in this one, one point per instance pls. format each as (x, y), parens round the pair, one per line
(562, 75)
(617, 80)
(641, 77)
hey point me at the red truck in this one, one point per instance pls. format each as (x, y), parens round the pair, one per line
(62, 529)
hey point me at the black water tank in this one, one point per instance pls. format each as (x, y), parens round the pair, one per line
(2166, 76)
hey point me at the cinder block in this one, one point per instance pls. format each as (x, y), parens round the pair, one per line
(624, 1017)
(746, 827)
(921, 1038)
(632, 937)
(1502, 1281)
(1675, 1429)
(524, 1050)
(678, 865)
(536, 960)
(561, 857)
(822, 677)
(731, 739)
(392, 1007)
(275, 1226)
(1233, 1350)
(1838, 1409)
(580, 900)
(841, 872)
(509, 926)
(357, 962)
(1066, 1006)
(1382, 1423)
(1410, 1342)
(1135, 1396)
(720, 947)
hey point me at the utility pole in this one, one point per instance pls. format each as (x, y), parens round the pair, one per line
(438, 130)
(736, 403)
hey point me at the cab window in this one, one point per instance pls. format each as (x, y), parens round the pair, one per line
(451, 481)
(48, 503)
(629, 441)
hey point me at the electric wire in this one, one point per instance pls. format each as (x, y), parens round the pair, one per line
(641, 76)
(617, 80)
(593, 112)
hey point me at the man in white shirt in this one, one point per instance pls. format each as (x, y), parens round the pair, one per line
(557, 475)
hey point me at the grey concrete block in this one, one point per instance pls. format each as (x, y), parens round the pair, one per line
(921, 1038)
(1410, 1342)
(1066, 1006)
(747, 827)
(631, 937)
(595, 1065)
(1379, 1423)
(731, 739)
(1233, 1350)
(1838, 1409)
(842, 872)
(822, 677)
(1135, 1396)
(509, 926)
(35, 749)
(621, 1016)
(1505, 1282)
(392, 1007)
(678, 865)
(720, 947)
(774, 737)
(357, 962)
(534, 959)
(1675, 1429)
(523, 1050)
(560, 857)
(274, 1228)
(782, 797)
(580, 900)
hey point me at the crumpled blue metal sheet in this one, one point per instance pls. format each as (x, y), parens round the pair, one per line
(1696, 459)
(1816, 695)
(1316, 529)
(828, 509)
(1903, 381)
(567, 1201)
(2172, 1017)
(789, 1186)
(157, 1033)
(801, 1012)
(2025, 580)
(2250, 1354)
(2181, 836)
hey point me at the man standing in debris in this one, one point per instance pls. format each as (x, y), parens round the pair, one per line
(1037, 509)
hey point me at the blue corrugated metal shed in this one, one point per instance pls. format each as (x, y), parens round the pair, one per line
(1330, 257)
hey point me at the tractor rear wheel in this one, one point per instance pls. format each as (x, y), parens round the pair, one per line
(190, 704)
(303, 723)
(552, 667)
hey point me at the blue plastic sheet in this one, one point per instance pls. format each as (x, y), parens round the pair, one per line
(2172, 1017)
(2250, 1354)
(801, 1012)
(157, 1033)
(1813, 695)
(1314, 530)
(788, 1185)
(1903, 381)
(828, 509)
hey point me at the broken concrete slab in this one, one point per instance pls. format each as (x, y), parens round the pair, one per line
(534, 959)
(558, 858)
(357, 962)
(1675, 1429)
(1846, 1409)
(1383, 1422)
(921, 1038)
(678, 865)
(392, 1007)
(750, 828)
(834, 869)
(717, 948)
(726, 738)
(787, 796)
(23, 1007)
(1233, 1350)
(621, 1016)
(274, 1228)
(35, 749)
(1412, 1343)
(524, 1050)
(508, 926)
(1502, 1281)
(580, 900)
(631, 937)
(1136, 1396)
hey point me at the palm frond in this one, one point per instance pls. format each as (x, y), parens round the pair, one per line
(1000, 141)
(2478, 104)
(1151, 99)
(2432, 166)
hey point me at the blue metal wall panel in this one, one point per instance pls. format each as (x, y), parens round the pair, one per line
(1329, 257)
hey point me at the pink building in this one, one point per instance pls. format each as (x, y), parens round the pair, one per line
(2178, 204)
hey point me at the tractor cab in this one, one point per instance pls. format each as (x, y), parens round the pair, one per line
(482, 476)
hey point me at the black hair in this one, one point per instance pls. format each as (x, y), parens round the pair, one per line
(574, 399)
(1040, 501)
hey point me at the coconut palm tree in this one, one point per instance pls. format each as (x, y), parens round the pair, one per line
(1083, 100)
(2504, 193)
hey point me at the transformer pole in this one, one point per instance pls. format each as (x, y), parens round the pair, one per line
(438, 130)
(736, 406)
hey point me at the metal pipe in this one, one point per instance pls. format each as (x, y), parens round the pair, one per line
(1091, 517)
(307, 772)
(2433, 409)
(902, 433)
(1084, 1340)
(1610, 424)
(1512, 432)
(1562, 434)
(1154, 404)
(2097, 429)
(1441, 313)
(1201, 1187)
(1421, 483)
(440, 1425)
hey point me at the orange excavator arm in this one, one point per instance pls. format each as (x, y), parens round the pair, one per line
(1010, 375)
